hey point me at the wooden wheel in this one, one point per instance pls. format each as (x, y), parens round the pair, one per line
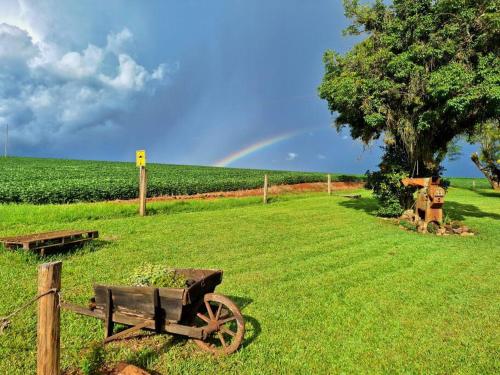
(222, 321)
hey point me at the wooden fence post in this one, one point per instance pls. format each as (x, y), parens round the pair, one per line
(266, 182)
(142, 190)
(329, 184)
(48, 335)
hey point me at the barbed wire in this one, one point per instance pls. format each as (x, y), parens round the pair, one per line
(6, 320)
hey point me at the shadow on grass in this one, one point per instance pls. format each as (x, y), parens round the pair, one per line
(252, 325)
(145, 357)
(65, 253)
(31, 257)
(455, 210)
(241, 302)
(459, 211)
(368, 205)
(252, 330)
(489, 194)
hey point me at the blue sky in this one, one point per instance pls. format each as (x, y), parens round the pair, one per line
(191, 81)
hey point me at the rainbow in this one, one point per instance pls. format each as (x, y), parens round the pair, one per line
(256, 147)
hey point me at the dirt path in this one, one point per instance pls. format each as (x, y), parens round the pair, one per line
(275, 189)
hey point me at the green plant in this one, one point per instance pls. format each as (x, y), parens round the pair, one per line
(423, 73)
(391, 194)
(157, 275)
(407, 225)
(488, 160)
(41, 181)
(432, 227)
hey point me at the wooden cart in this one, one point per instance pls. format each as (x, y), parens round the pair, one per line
(212, 320)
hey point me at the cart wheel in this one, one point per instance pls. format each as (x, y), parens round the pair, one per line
(223, 320)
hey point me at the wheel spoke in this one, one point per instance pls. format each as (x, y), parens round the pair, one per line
(228, 331)
(221, 338)
(219, 309)
(224, 321)
(203, 317)
(209, 310)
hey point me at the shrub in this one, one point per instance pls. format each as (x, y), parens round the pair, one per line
(393, 197)
(157, 275)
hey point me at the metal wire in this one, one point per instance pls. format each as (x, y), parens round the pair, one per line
(5, 320)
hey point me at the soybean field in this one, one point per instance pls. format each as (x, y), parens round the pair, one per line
(41, 181)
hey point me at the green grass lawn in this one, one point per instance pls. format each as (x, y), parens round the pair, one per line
(325, 286)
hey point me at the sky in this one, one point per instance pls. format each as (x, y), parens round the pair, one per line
(220, 82)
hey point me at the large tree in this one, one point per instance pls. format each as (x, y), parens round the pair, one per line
(425, 72)
(488, 160)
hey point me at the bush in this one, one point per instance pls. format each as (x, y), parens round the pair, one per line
(158, 276)
(393, 197)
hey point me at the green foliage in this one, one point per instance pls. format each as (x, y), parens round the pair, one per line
(488, 160)
(432, 227)
(393, 197)
(386, 184)
(157, 275)
(426, 72)
(488, 136)
(408, 226)
(41, 181)
(445, 183)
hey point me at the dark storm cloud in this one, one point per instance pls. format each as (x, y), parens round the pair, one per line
(197, 81)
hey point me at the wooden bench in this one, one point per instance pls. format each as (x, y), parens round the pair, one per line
(49, 241)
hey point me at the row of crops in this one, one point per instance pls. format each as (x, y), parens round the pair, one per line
(42, 181)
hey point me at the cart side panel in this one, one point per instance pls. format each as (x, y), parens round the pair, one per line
(133, 300)
(205, 285)
(171, 306)
(140, 301)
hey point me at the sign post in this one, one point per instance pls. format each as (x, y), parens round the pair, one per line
(266, 183)
(140, 161)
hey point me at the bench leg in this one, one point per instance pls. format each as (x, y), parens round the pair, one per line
(108, 317)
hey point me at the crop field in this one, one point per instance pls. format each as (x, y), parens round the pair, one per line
(41, 181)
(324, 285)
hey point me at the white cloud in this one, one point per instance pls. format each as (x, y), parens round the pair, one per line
(321, 157)
(80, 65)
(48, 91)
(131, 76)
(15, 44)
(118, 41)
(292, 156)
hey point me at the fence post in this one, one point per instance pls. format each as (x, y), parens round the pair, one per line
(48, 335)
(473, 184)
(142, 190)
(329, 184)
(266, 182)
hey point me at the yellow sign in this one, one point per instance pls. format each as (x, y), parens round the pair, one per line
(140, 158)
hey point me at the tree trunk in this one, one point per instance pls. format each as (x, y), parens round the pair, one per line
(488, 173)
